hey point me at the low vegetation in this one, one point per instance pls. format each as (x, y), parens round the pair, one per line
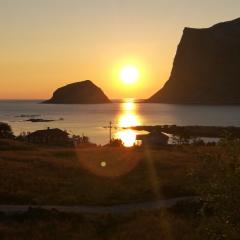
(5, 131)
(40, 175)
(45, 225)
(34, 174)
(217, 183)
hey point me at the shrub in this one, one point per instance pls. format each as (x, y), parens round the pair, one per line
(5, 131)
(217, 183)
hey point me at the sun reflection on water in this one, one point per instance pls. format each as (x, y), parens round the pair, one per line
(128, 117)
(128, 137)
(128, 120)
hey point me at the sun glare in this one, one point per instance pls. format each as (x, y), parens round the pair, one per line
(128, 137)
(129, 74)
(128, 120)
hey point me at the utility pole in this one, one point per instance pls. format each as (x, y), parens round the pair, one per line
(110, 132)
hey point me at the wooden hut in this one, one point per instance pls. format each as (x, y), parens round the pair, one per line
(153, 139)
(49, 136)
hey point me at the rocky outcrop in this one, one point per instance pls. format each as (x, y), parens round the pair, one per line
(206, 68)
(84, 92)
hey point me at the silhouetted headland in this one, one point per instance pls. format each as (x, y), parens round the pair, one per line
(206, 68)
(85, 92)
(193, 131)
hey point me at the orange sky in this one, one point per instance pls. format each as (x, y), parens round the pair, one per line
(46, 44)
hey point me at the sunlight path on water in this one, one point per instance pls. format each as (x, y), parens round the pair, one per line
(128, 117)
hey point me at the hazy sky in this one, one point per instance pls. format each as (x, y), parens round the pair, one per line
(45, 44)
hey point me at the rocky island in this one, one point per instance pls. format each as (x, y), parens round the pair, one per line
(206, 68)
(85, 92)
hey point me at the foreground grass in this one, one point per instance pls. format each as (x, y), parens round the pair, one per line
(46, 225)
(104, 176)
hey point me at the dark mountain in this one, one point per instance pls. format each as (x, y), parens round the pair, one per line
(84, 92)
(206, 68)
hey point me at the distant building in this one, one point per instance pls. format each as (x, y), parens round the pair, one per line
(153, 139)
(49, 137)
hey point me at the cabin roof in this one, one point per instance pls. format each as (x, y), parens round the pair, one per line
(155, 134)
(49, 132)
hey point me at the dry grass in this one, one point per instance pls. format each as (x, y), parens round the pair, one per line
(43, 225)
(37, 175)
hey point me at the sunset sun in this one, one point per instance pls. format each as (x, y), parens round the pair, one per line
(129, 74)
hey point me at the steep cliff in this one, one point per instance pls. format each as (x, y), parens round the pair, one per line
(206, 68)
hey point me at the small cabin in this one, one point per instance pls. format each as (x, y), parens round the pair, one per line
(154, 139)
(49, 137)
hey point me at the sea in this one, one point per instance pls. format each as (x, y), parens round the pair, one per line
(94, 120)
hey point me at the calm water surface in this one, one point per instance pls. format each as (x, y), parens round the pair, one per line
(91, 119)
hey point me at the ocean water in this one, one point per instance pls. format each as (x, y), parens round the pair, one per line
(92, 120)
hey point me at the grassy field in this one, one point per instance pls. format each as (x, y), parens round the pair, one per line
(44, 225)
(106, 176)
(37, 175)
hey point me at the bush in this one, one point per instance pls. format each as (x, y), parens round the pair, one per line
(116, 143)
(217, 183)
(5, 131)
